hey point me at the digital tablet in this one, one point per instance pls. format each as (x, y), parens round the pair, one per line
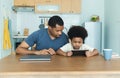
(79, 52)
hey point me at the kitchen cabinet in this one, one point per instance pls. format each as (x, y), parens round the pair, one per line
(52, 6)
(47, 6)
(48, 2)
(24, 2)
(71, 6)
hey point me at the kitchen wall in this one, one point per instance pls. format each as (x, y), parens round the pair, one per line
(112, 25)
(31, 20)
(5, 12)
(0, 28)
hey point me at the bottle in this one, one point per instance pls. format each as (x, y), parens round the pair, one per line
(41, 26)
(18, 33)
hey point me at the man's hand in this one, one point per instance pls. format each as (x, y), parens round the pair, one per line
(51, 51)
(45, 51)
(42, 52)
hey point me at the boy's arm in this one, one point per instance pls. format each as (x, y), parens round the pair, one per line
(89, 54)
(60, 52)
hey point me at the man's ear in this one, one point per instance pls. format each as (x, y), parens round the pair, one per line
(49, 27)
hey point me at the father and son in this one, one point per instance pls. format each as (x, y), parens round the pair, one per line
(53, 41)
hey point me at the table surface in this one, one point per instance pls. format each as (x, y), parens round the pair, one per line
(60, 64)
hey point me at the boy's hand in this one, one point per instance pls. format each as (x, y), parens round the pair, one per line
(69, 53)
(88, 54)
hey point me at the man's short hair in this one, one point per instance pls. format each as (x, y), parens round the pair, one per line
(54, 20)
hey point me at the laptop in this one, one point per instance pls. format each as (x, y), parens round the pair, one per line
(35, 58)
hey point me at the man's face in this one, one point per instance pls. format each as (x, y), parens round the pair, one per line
(56, 31)
(76, 42)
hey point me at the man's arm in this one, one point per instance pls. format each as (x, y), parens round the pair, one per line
(23, 49)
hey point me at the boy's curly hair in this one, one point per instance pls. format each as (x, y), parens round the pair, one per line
(77, 31)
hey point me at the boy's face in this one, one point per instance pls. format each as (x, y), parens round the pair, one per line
(76, 42)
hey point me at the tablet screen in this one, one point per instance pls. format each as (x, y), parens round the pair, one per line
(79, 52)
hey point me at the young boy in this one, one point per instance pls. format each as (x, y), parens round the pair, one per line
(77, 35)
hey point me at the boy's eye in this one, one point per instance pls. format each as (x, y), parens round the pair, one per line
(77, 42)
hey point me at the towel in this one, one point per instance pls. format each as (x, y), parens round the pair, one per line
(6, 36)
(10, 31)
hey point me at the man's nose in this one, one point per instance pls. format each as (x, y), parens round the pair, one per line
(60, 32)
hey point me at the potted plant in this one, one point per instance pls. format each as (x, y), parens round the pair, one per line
(95, 18)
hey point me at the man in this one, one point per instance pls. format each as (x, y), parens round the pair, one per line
(47, 41)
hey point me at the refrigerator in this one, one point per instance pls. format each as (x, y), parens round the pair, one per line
(94, 38)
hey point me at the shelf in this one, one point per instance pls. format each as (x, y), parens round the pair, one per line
(20, 36)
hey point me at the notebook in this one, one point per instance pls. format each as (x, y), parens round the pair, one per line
(35, 58)
(79, 52)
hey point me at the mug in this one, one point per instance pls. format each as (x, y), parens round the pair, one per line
(107, 54)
